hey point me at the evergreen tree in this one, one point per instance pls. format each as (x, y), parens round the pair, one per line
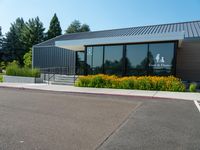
(76, 26)
(14, 45)
(33, 32)
(1, 47)
(1, 39)
(54, 28)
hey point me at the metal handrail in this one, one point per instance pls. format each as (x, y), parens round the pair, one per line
(59, 70)
(49, 78)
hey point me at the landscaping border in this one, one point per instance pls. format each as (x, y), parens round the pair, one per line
(19, 79)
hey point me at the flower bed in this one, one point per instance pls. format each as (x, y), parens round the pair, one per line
(169, 83)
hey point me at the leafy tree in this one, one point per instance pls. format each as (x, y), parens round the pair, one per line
(76, 26)
(14, 45)
(33, 32)
(85, 28)
(54, 28)
(28, 59)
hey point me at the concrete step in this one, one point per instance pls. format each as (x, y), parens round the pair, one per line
(64, 78)
(62, 83)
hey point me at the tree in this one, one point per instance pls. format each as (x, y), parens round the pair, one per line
(1, 39)
(33, 32)
(21, 37)
(76, 26)
(1, 45)
(14, 45)
(2, 66)
(54, 28)
(85, 28)
(28, 59)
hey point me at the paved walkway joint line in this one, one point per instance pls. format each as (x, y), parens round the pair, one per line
(120, 126)
(197, 103)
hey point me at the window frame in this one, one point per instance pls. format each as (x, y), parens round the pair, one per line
(124, 72)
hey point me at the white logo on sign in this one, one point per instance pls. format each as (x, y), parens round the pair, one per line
(160, 59)
(157, 58)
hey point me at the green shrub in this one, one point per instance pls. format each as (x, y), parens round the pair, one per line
(14, 62)
(193, 87)
(2, 65)
(1, 78)
(169, 83)
(14, 70)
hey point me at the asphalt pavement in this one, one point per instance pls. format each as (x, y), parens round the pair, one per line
(43, 120)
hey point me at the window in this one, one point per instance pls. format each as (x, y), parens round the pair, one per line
(161, 58)
(136, 59)
(89, 60)
(95, 59)
(113, 60)
(80, 58)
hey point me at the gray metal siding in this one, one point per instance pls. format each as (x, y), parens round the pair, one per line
(45, 57)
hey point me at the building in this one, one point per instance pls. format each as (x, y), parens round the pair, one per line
(165, 49)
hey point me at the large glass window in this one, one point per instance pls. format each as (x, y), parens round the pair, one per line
(113, 60)
(80, 62)
(95, 59)
(136, 59)
(89, 60)
(140, 59)
(161, 58)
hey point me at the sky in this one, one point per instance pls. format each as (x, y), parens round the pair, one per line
(100, 14)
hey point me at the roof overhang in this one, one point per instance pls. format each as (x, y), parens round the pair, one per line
(79, 44)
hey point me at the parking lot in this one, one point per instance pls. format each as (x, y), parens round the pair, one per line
(51, 120)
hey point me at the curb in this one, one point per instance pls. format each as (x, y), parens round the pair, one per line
(97, 94)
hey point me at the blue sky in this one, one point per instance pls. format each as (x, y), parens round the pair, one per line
(101, 14)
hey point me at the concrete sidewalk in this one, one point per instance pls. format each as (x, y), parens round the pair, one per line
(122, 92)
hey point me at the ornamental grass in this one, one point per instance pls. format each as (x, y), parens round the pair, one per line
(15, 70)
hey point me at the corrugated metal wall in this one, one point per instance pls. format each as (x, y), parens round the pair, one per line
(45, 57)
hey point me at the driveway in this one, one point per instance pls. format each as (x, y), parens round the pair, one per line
(49, 120)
